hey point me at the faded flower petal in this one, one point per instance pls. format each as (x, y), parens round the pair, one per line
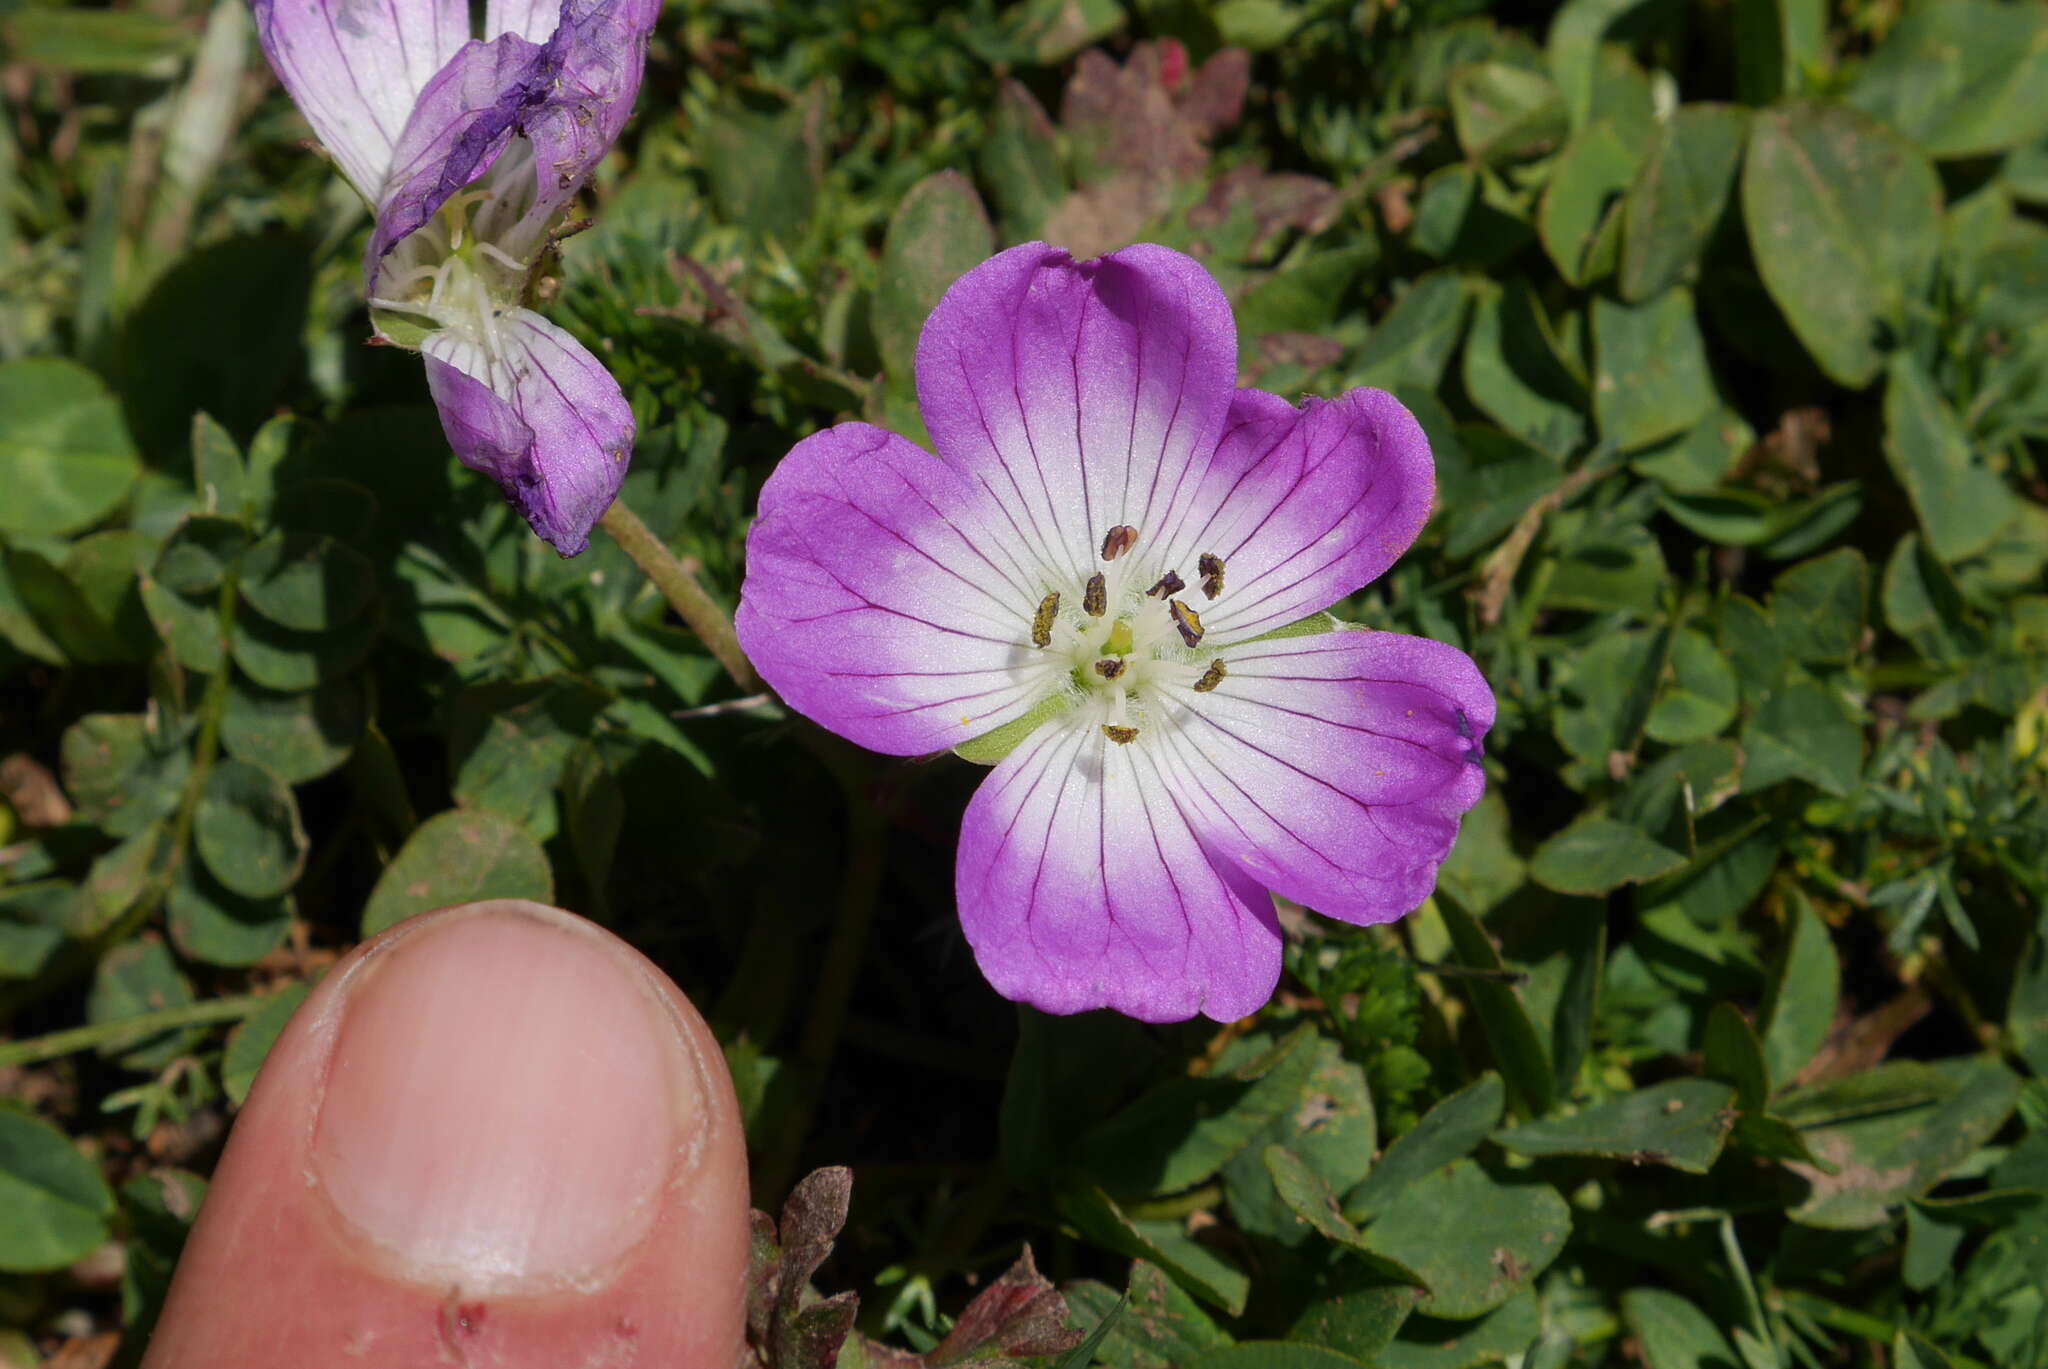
(355, 67)
(1334, 768)
(1082, 886)
(564, 100)
(1304, 506)
(533, 20)
(541, 416)
(878, 602)
(1081, 395)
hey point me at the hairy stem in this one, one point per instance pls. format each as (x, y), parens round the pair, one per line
(679, 586)
(128, 1030)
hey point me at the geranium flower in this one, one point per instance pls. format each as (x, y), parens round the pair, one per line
(1115, 558)
(470, 151)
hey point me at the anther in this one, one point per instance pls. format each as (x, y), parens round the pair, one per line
(1169, 583)
(1122, 736)
(1188, 621)
(1211, 677)
(1041, 622)
(1118, 540)
(1095, 597)
(1211, 567)
(1109, 667)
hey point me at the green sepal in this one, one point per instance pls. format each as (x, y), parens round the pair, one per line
(399, 329)
(1312, 626)
(991, 747)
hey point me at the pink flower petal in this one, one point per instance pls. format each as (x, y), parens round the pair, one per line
(878, 603)
(1304, 506)
(546, 421)
(1081, 886)
(1080, 395)
(355, 68)
(1334, 768)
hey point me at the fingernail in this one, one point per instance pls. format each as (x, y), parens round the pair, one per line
(507, 1098)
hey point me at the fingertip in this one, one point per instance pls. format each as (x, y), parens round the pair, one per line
(496, 1132)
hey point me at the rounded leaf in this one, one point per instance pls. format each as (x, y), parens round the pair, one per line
(66, 459)
(56, 1203)
(248, 832)
(459, 857)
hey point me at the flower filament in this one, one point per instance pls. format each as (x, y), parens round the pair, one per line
(1128, 643)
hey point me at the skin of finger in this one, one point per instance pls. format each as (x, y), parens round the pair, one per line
(272, 1276)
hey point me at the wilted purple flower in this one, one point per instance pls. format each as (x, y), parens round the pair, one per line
(470, 152)
(1113, 560)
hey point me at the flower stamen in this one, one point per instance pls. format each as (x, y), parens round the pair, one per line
(1169, 584)
(1118, 540)
(1188, 621)
(1211, 567)
(1095, 596)
(1109, 667)
(1042, 621)
(1211, 677)
(1122, 736)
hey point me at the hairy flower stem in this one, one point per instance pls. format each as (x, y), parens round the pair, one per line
(128, 1030)
(679, 586)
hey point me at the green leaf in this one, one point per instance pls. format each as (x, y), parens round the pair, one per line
(1275, 1354)
(1412, 344)
(1573, 49)
(1673, 1333)
(1184, 1130)
(199, 554)
(1652, 381)
(1924, 604)
(66, 459)
(1504, 113)
(937, 234)
(1735, 1056)
(1802, 732)
(217, 469)
(458, 857)
(759, 167)
(1820, 606)
(1020, 162)
(291, 661)
(1161, 1328)
(1475, 1240)
(1963, 505)
(122, 772)
(1166, 1244)
(1681, 1123)
(211, 923)
(96, 42)
(57, 1205)
(1483, 867)
(1361, 1323)
(249, 1044)
(1449, 1131)
(1844, 218)
(1497, 1338)
(1597, 854)
(1330, 1127)
(247, 830)
(1513, 373)
(115, 882)
(1775, 43)
(510, 741)
(1899, 1144)
(1963, 79)
(2026, 1014)
(1579, 219)
(296, 737)
(1519, 1047)
(1678, 197)
(1701, 695)
(1799, 999)
(134, 979)
(307, 582)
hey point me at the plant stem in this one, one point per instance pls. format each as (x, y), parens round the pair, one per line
(1837, 1318)
(125, 1030)
(679, 586)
